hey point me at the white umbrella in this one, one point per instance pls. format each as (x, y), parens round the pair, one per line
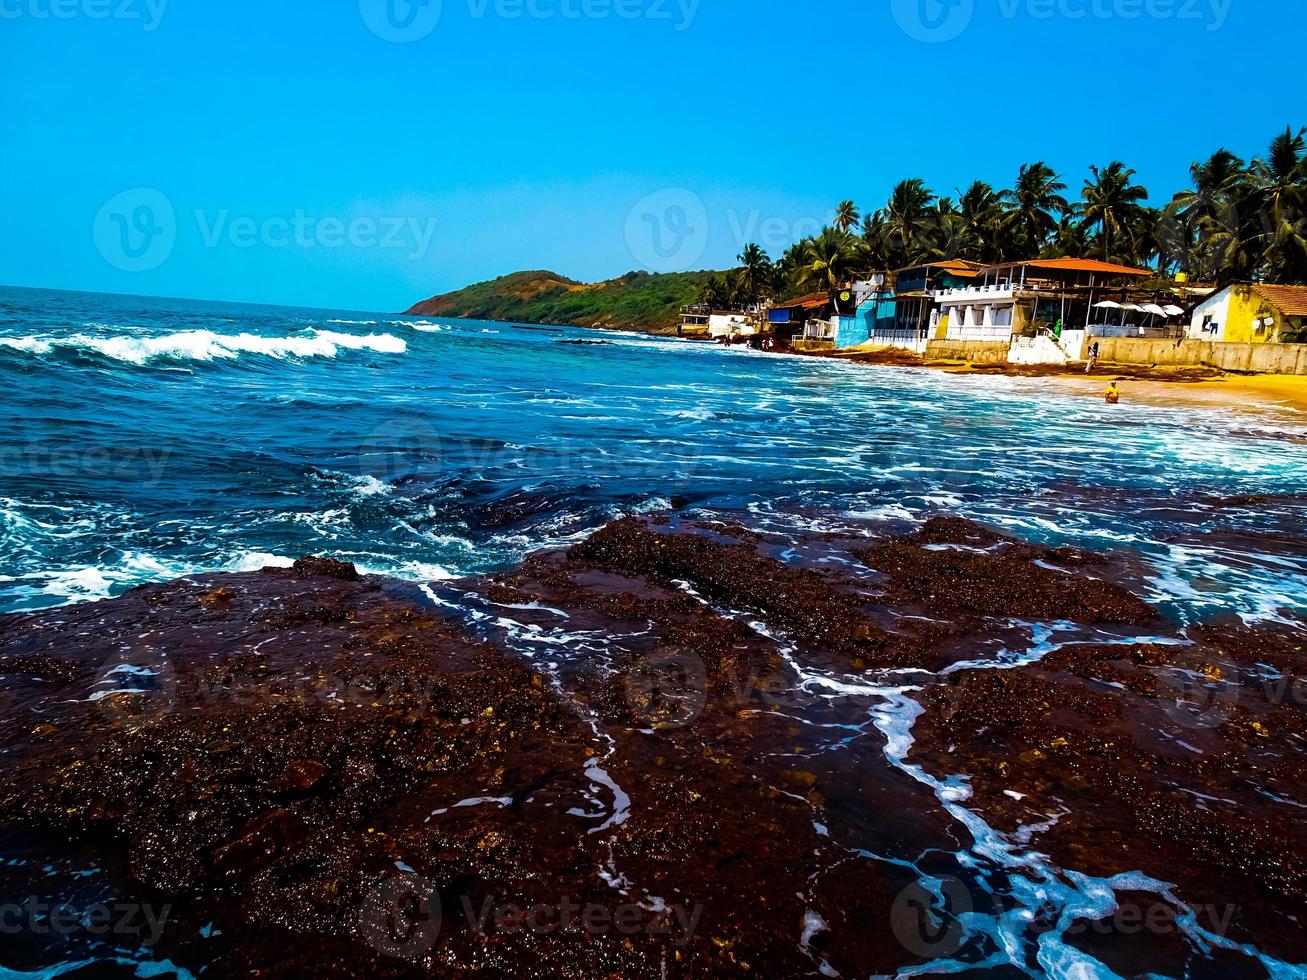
(1174, 310)
(1154, 309)
(1107, 304)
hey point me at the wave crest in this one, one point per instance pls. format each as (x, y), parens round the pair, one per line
(205, 345)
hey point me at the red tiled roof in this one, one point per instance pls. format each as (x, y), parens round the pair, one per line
(1289, 300)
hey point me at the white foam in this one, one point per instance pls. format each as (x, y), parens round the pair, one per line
(205, 345)
(29, 345)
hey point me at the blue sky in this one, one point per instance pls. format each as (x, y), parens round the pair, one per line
(364, 154)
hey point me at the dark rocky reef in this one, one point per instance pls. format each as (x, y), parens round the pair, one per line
(633, 758)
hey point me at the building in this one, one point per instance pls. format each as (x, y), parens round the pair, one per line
(732, 325)
(854, 319)
(806, 318)
(694, 321)
(908, 318)
(1251, 313)
(1023, 298)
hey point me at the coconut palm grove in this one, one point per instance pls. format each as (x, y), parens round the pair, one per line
(1239, 220)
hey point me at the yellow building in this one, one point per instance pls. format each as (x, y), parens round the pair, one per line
(1252, 313)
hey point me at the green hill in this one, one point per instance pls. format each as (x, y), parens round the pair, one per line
(637, 301)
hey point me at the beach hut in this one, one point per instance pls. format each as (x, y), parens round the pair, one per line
(1251, 313)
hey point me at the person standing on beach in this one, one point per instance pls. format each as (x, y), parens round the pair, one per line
(1093, 358)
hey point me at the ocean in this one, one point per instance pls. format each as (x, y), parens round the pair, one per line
(145, 439)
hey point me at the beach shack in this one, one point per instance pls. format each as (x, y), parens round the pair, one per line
(909, 317)
(693, 321)
(1251, 313)
(803, 321)
(853, 319)
(1042, 308)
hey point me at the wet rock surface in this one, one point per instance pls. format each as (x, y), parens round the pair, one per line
(678, 748)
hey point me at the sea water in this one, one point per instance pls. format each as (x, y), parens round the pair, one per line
(143, 439)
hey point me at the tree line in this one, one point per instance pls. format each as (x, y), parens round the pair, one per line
(1238, 221)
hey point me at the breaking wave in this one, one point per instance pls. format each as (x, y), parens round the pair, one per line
(205, 345)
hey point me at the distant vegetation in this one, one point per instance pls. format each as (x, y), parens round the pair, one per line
(636, 301)
(1238, 221)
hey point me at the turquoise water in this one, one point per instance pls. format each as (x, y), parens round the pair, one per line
(147, 438)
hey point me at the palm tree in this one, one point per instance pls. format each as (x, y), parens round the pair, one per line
(1280, 181)
(755, 272)
(981, 210)
(1034, 207)
(1203, 225)
(951, 237)
(1111, 204)
(1068, 240)
(846, 216)
(831, 258)
(906, 223)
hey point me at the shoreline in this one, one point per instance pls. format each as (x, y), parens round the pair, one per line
(1178, 386)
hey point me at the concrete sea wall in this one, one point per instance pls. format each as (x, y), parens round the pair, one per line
(973, 351)
(1252, 358)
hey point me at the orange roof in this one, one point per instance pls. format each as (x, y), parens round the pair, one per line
(1078, 265)
(806, 302)
(1289, 300)
(961, 267)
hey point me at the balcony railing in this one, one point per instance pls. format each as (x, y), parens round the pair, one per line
(819, 330)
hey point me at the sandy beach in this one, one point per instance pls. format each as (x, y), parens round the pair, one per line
(1158, 385)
